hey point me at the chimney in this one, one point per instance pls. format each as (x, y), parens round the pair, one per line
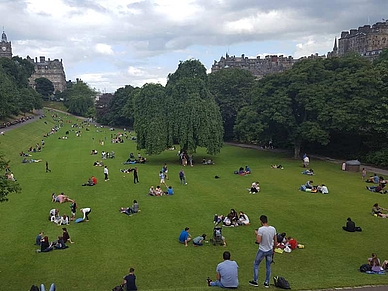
(42, 59)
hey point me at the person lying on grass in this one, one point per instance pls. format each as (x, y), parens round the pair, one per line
(61, 198)
(277, 167)
(309, 172)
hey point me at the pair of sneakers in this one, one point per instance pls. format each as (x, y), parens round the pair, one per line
(254, 283)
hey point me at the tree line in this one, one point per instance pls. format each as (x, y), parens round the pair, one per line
(335, 106)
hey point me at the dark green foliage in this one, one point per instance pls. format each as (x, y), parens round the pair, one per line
(231, 90)
(80, 99)
(6, 186)
(44, 87)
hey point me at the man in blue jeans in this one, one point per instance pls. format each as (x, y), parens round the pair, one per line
(266, 238)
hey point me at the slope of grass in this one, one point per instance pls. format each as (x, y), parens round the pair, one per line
(107, 245)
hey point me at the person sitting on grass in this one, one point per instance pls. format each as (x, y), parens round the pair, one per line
(323, 189)
(60, 244)
(374, 262)
(45, 245)
(378, 211)
(255, 188)
(152, 191)
(169, 191)
(130, 210)
(66, 236)
(351, 226)
(199, 240)
(185, 236)
(247, 170)
(38, 239)
(309, 172)
(89, 183)
(243, 219)
(373, 179)
(158, 191)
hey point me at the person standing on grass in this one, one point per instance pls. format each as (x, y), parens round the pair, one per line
(266, 238)
(86, 211)
(135, 175)
(227, 274)
(129, 281)
(162, 176)
(182, 177)
(106, 173)
(73, 208)
(47, 167)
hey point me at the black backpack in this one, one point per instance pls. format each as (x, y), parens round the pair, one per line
(118, 288)
(365, 267)
(280, 282)
(34, 288)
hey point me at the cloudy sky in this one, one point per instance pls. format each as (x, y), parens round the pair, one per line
(113, 43)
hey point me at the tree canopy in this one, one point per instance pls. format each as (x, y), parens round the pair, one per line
(44, 87)
(80, 99)
(7, 186)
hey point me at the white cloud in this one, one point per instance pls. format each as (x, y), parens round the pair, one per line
(104, 49)
(120, 42)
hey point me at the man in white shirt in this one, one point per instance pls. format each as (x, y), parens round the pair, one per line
(266, 238)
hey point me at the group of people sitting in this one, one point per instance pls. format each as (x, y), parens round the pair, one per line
(61, 198)
(255, 188)
(91, 181)
(141, 160)
(380, 188)
(286, 243)
(47, 246)
(10, 176)
(243, 171)
(130, 210)
(375, 266)
(159, 192)
(207, 162)
(55, 217)
(309, 187)
(232, 219)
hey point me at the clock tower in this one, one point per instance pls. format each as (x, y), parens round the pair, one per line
(5, 47)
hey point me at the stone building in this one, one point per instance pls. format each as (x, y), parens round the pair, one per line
(368, 41)
(6, 47)
(50, 69)
(257, 66)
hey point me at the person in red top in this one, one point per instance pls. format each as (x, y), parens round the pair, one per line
(94, 179)
(292, 243)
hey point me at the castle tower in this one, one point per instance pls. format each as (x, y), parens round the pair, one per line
(5, 47)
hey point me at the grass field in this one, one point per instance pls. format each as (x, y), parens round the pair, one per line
(110, 243)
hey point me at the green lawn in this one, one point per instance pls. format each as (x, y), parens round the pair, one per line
(110, 243)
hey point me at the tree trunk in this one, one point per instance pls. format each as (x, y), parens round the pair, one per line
(297, 145)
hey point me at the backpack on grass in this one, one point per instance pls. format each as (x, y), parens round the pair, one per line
(280, 282)
(34, 288)
(118, 288)
(365, 267)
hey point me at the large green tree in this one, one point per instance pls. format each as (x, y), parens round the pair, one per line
(231, 89)
(81, 99)
(7, 186)
(194, 118)
(44, 87)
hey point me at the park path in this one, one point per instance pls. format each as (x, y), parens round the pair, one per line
(369, 168)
